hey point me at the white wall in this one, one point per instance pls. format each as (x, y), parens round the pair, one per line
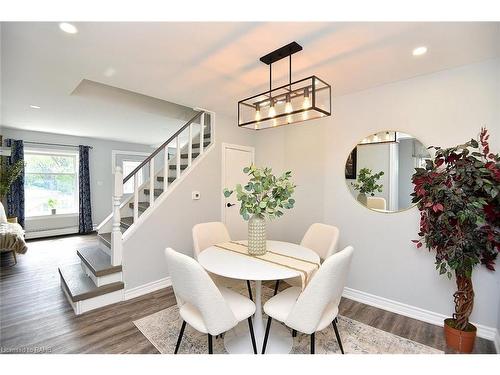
(445, 108)
(101, 177)
(170, 224)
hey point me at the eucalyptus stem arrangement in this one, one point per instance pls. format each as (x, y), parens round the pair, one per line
(367, 182)
(264, 196)
(8, 174)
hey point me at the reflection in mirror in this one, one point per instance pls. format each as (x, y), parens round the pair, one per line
(378, 170)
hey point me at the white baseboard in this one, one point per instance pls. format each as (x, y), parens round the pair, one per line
(414, 312)
(147, 288)
(51, 232)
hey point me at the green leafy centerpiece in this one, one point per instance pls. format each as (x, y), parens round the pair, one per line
(367, 183)
(264, 196)
(457, 194)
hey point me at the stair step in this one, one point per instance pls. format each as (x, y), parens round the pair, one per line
(143, 206)
(157, 192)
(80, 287)
(105, 238)
(197, 145)
(174, 167)
(206, 135)
(185, 156)
(97, 261)
(126, 222)
(160, 179)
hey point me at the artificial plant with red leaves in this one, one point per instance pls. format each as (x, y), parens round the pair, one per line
(458, 196)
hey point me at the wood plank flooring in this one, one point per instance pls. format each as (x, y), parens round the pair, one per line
(36, 318)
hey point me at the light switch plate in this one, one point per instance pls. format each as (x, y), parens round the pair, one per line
(195, 195)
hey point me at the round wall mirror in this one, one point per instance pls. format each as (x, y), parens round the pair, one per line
(378, 170)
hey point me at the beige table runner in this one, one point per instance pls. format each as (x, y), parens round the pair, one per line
(306, 268)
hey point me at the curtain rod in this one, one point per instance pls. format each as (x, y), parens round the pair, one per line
(54, 144)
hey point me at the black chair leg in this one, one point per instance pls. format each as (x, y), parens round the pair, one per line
(313, 342)
(294, 333)
(181, 333)
(252, 335)
(210, 348)
(276, 287)
(249, 290)
(334, 323)
(266, 336)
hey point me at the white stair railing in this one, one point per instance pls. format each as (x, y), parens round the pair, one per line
(119, 181)
(116, 234)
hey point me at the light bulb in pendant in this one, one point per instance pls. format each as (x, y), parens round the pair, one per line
(272, 110)
(257, 113)
(307, 102)
(288, 105)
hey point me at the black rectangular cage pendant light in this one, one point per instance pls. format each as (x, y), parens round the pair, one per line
(305, 99)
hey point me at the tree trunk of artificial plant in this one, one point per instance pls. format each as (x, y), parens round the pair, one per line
(464, 301)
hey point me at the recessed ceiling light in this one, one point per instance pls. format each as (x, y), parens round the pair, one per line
(68, 28)
(35, 106)
(419, 51)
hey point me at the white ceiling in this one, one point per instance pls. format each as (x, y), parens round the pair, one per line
(208, 65)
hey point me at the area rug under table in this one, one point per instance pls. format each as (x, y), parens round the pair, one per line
(162, 329)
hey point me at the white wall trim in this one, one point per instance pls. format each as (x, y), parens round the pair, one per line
(51, 232)
(115, 153)
(147, 288)
(224, 147)
(414, 312)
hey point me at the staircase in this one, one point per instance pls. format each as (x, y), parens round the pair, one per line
(98, 279)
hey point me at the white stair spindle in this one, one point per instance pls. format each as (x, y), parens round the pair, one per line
(151, 182)
(116, 234)
(190, 146)
(202, 132)
(136, 197)
(178, 157)
(165, 168)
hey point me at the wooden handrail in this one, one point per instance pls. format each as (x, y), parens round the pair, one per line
(165, 144)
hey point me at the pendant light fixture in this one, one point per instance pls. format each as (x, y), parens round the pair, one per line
(305, 99)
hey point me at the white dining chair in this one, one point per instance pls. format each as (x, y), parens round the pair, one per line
(316, 307)
(209, 234)
(204, 306)
(323, 240)
(377, 203)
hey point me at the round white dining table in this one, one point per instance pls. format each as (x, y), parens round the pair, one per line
(239, 266)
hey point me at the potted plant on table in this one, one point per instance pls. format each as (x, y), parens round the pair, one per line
(367, 184)
(264, 196)
(457, 194)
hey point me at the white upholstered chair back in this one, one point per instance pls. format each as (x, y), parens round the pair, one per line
(377, 203)
(3, 216)
(321, 238)
(208, 234)
(193, 286)
(325, 287)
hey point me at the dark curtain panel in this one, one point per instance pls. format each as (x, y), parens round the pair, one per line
(15, 196)
(85, 211)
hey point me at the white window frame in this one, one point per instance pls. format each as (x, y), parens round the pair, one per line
(56, 151)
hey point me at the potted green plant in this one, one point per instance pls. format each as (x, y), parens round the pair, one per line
(264, 196)
(8, 174)
(457, 194)
(367, 184)
(52, 203)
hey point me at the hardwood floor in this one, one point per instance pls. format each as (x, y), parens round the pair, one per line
(36, 318)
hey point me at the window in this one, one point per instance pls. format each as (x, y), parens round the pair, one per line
(128, 167)
(50, 182)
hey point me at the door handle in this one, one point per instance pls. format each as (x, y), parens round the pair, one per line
(230, 204)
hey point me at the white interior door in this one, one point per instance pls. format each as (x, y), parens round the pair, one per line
(234, 159)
